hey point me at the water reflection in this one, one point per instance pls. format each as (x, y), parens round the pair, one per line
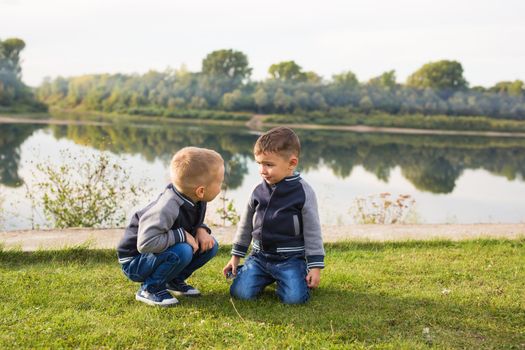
(431, 163)
(11, 137)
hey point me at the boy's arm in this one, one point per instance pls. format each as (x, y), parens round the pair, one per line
(243, 236)
(155, 233)
(231, 266)
(242, 240)
(313, 277)
(313, 239)
(204, 226)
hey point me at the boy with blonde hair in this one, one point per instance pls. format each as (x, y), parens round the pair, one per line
(281, 222)
(167, 240)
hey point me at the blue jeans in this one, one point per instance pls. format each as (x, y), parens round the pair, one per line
(176, 263)
(260, 270)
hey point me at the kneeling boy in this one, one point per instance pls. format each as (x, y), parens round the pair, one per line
(282, 219)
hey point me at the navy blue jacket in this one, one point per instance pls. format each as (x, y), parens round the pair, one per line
(161, 224)
(282, 219)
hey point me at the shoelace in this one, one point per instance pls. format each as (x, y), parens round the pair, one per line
(163, 294)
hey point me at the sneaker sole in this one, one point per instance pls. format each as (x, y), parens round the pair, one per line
(152, 303)
(177, 293)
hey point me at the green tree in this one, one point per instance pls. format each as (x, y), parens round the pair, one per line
(10, 56)
(512, 88)
(366, 104)
(287, 71)
(442, 75)
(387, 80)
(319, 101)
(231, 100)
(301, 100)
(222, 71)
(313, 77)
(227, 63)
(198, 102)
(282, 101)
(346, 80)
(13, 92)
(261, 98)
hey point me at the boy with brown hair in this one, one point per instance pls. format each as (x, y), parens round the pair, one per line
(167, 240)
(281, 222)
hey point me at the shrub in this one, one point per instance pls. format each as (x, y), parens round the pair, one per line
(89, 192)
(382, 209)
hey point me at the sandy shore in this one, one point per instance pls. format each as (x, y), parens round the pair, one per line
(108, 238)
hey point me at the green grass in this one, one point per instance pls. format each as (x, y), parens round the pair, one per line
(411, 295)
(416, 121)
(151, 112)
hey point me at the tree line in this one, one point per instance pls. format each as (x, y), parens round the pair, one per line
(14, 94)
(224, 84)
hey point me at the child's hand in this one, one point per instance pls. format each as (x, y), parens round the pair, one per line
(231, 266)
(191, 241)
(313, 278)
(204, 239)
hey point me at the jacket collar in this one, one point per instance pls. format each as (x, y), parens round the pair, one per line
(183, 198)
(296, 176)
(289, 179)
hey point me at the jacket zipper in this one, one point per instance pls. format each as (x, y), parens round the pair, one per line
(264, 215)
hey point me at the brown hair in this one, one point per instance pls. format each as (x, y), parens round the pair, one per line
(192, 167)
(280, 140)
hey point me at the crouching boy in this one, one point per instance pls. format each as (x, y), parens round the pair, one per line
(167, 240)
(281, 222)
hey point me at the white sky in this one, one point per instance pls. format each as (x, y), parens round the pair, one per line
(73, 37)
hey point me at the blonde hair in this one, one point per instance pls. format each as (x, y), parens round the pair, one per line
(280, 140)
(192, 167)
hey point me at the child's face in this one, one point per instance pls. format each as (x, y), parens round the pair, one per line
(274, 167)
(214, 187)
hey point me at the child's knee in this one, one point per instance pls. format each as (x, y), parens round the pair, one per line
(183, 252)
(293, 293)
(242, 292)
(296, 297)
(215, 247)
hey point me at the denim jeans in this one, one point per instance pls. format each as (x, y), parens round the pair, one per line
(261, 269)
(175, 263)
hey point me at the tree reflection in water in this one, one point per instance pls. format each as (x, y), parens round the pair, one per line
(12, 136)
(431, 163)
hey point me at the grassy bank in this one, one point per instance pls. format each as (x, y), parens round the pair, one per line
(337, 118)
(416, 121)
(393, 295)
(145, 113)
(22, 108)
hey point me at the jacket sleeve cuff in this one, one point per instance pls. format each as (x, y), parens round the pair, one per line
(239, 250)
(179, 235)
(204, 226)
(315, 261)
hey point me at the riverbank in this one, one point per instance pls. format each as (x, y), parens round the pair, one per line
(257, 122)
(31, 240)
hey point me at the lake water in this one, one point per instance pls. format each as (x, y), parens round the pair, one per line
(455, 179)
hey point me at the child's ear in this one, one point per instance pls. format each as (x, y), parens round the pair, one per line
(293, 162)
(199, 192)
